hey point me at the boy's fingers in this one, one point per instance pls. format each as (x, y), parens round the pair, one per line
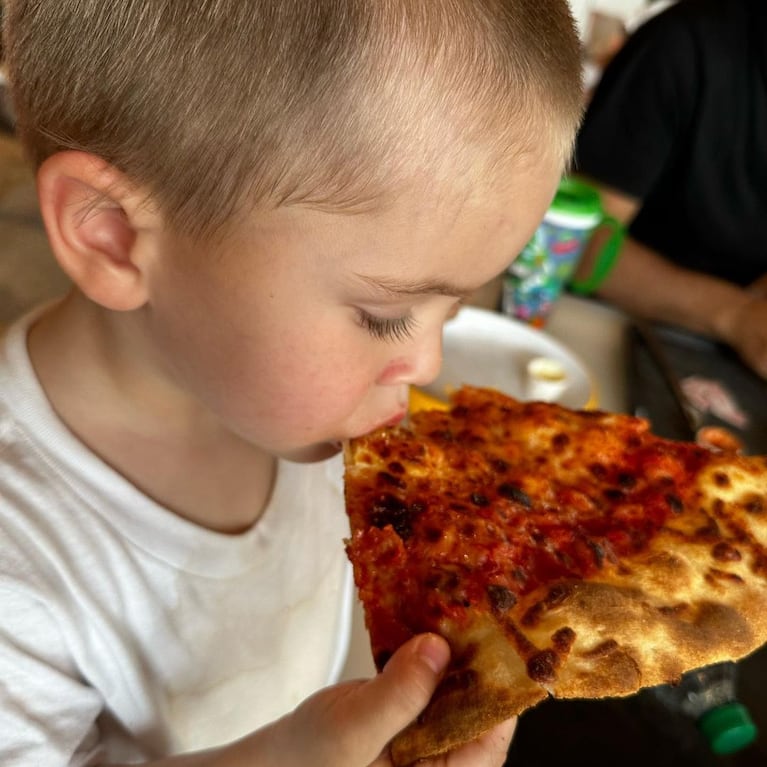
(357, 725)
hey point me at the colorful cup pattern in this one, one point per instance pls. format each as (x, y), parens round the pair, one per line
(535, 280)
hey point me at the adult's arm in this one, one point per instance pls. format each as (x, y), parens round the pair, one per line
(644, 283)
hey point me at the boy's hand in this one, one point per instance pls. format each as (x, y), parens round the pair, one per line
(351, 724)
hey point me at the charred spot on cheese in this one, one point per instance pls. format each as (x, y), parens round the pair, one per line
(389, 510)
(445, 581)
(514, 493)
(478, 499)
(715, 575)
(558, 594)
(468, 530)
(721, 479)
(724, 552)
(463, 679)
(759, 564)
(607, 647)
(675, 503)
(709, 531)
(465, 656)
(524, 646)
(384, 451)
(390, 479)
(555, 596)
(598, 552)
(395, 467)
(627, 479)
(754, 504)
(501, 598)
(563, 639)
(542, 667)
(560, 441)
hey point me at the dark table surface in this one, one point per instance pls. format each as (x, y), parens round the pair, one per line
(690, 356)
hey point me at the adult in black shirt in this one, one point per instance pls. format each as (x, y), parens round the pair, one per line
(675, 137)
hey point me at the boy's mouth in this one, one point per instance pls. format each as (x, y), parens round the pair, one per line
(394, 420)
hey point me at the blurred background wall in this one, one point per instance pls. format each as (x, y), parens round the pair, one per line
(622, 9)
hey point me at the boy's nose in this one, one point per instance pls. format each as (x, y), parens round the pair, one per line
(420, 366)
(427, 365)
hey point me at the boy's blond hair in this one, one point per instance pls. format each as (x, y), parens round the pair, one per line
(212, 103)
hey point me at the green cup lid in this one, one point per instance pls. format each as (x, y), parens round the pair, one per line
(576, 197)
(728, 728)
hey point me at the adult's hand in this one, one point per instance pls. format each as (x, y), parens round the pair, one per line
(744, 328)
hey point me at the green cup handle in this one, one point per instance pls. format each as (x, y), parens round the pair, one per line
(605, 260)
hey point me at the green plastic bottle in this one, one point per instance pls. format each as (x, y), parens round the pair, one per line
(709, 696)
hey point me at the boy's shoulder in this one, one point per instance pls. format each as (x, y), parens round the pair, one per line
(37, 499)
(21, 397)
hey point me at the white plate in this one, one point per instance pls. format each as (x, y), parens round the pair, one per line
(485, 348)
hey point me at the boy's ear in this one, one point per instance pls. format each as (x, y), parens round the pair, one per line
(97, 226)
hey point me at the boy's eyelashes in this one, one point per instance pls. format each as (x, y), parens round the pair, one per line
(387, 329)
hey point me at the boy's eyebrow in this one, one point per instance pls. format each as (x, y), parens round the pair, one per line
(398, 287)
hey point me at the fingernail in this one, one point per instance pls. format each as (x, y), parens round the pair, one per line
(434, 651)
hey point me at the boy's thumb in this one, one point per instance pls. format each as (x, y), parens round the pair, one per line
(350, 724)
(395, 697)
(413, 672)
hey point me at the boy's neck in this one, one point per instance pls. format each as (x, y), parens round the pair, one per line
(106, 390)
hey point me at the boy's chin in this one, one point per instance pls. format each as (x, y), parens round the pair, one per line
(320, 451)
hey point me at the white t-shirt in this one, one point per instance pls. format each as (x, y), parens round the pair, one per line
(128, 633)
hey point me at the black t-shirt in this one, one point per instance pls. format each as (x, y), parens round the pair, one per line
(679, 120)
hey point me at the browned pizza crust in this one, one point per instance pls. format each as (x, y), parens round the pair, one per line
(622, 640)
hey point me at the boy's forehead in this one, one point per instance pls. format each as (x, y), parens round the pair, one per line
(459, 176)
(427, 211)
(479, 181)
(482, 185)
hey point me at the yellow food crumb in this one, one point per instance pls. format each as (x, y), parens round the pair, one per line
(420, 400)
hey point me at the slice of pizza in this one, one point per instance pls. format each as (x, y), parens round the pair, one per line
(566, 553)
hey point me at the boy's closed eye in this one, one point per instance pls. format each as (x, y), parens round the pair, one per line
(387, 328)
(400, 328)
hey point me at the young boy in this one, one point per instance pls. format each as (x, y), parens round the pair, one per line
(268, 210)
